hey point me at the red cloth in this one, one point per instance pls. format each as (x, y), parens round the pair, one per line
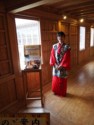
(59, 85)
(52, 58)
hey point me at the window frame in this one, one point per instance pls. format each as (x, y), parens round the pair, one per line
(36, 19)
(84, 39)
(92, 36)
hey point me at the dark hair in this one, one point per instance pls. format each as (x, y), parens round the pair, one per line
(60, 33)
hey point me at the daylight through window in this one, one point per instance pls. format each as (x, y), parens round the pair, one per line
(82, 38)
(92, 37)
(28, 33)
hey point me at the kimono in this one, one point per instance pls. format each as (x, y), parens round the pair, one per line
(60, 55)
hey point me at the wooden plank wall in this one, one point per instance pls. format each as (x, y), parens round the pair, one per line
(92, 51)
(49, 29)
(71, 32)
(84, 55)
(11, 88)
(7, 82)
(73, 38)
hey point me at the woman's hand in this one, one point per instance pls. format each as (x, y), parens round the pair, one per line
(58, 67)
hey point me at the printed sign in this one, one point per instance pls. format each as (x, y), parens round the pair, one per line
(32, 55)
(26, 119)
(33, 50)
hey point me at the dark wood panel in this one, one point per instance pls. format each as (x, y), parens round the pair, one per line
(81, 55)
(7, 78)
(2, 38)
(4, 94)
(92, 51)
(49, 73)
(5, 68)
(12, 91)
(45, 74)
(3, 53)
(7, 93)
(11, 85)
(1, 21)
(33, 82)
(5, 60)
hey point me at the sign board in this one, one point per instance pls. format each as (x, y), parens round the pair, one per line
(25, 119)
(32, 50)
(32, 55)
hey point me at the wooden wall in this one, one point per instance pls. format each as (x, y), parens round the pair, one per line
(71, 31)
(85, 54)
(49, 29)
(92, 52)
(11, 85)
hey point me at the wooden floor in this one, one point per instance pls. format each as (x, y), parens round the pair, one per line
(75, 109)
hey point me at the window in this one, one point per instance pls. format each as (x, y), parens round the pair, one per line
(92, 37)
(82, 38)
(28, 33)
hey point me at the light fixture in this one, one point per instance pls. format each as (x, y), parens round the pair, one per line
(64, 17)
(81, 20)
(92, 26)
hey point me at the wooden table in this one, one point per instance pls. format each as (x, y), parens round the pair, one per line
(24, 74)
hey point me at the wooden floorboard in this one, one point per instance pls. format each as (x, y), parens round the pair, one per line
(75, 109)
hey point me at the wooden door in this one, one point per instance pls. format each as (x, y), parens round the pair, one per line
(11, 85)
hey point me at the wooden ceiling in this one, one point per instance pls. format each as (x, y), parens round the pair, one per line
(72, 8)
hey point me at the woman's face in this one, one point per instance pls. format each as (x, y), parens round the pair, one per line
(60, 39)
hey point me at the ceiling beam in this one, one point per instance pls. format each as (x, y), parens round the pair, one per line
(76, 7)
(80, 11)
(72, 3)
(33, 5)
(83, 13)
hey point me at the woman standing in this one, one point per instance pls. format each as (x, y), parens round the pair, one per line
(60, 60)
